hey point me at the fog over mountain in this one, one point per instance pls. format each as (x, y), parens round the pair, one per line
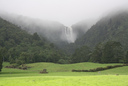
(47, 29)
(67, 12)
(51, 30)
(58, 20)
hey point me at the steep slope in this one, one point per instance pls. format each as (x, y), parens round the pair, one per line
(81, 27)
(54, 32)
(51, 30)
(20, 47)
(114, 27)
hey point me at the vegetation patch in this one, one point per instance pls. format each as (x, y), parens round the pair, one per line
(100, 68)
(23, 67)
(44, 71)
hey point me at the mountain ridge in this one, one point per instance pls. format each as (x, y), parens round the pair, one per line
(113, 27)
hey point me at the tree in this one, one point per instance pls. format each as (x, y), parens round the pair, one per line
(3, 52)
(1, 57)
(36, 37)
(112, 52)
(17, 46)
(25, 58)
(1, 61)
(97, 53)
(81, 55)
(126, 57)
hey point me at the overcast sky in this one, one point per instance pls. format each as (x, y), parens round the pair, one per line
(66, 12)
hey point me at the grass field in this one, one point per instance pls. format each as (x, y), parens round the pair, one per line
(61, 75)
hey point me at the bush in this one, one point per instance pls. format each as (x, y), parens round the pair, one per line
(44, 71)
(125, 64)
(11, 66)
(100, 69)
(118, 66)
(84, 70)
(25, 68)
(92, 70)
(109, 67)
(73, 70)
(62, 61)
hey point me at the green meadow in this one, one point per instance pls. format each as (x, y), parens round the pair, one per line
(61, 75)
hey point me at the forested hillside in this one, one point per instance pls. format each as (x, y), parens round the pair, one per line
(53, 31)
(107, 40)
(114, 27)
(104, 42)
(17, 46)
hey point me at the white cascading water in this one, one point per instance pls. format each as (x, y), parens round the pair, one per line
(69, 35)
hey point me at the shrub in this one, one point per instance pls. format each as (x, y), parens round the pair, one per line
(118, 66)
(125, 64)
(44, 71)
(100, 68)
(73, 70)
(109, 67)
(25, 68)
(92, 70)
(84, 70)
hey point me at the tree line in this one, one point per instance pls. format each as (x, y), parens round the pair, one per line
(108, 52)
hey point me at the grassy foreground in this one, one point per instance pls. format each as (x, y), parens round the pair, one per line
(61, 75)
(102, 80)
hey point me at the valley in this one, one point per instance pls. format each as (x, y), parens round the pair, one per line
(30, 46)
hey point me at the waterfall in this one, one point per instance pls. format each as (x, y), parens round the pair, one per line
(69, 34)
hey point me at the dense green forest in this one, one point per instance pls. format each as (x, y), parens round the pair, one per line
(17, 46)
(104, 42)
(107, 40)
(109, 52)
(112, 27)
(0, 61)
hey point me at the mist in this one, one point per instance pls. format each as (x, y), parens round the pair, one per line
(51, 30)
(49, 18)
(67, 12)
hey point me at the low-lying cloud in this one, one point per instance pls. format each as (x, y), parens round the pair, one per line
(67, 12)
(49, 18)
